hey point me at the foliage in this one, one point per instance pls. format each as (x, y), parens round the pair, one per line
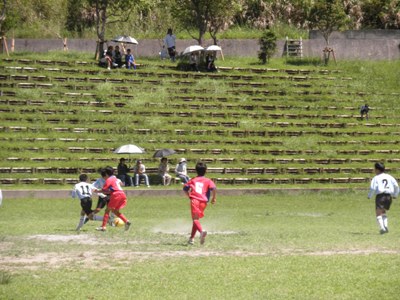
(204, 15)
(327, 16)
(267, 46)
(384, 14)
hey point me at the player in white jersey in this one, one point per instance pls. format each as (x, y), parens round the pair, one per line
(384, 187)
(83, 190)
(103, 198)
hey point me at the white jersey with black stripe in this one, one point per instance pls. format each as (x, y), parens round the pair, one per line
(82, 190)
(383, 184)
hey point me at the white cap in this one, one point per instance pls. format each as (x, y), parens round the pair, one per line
(182, 160)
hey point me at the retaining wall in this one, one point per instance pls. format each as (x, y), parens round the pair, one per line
(374, 44)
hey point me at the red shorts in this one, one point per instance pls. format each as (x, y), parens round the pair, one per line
(197, 208)
(117, 200)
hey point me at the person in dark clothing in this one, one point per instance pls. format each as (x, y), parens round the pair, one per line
(123, 171)
(364, 111)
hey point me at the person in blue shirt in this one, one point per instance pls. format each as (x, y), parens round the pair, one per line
(130, 60)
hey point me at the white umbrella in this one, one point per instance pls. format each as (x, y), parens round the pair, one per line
(191, 49)
(129, 149)
(126, 39)
(213, 48)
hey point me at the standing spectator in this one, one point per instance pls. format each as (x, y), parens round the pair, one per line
(169, 41)
(163, 170)
(140, 173)
(210, 58)
(384, 186)
(193, 62)
(122, 173)
(364, 111)
(181, 171)
(117, 57)
(130, 60)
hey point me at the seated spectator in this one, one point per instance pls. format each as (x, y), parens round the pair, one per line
(117, 57)
(210, 63)
(193, 62)
(181, 171)
(109, 57)
(163, 170)
(364, 111)
(122, 173)
(130, 60)
(140, 173)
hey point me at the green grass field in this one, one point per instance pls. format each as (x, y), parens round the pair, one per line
(275, 246)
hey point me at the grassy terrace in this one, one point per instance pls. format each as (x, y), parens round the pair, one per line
(288, 124)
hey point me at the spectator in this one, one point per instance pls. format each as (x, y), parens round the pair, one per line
(109, 57)
(140, 173)
(364, 111)
(210, 63)
(117, 57)
(181, 171)
(130, 60)
(163, 170)
(163, 53)
(122, 173)
(169, 41)
(193, 62)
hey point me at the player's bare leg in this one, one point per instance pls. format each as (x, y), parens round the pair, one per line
(381, 218)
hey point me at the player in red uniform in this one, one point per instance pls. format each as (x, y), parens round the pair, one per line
(199, 190)
(117, 202)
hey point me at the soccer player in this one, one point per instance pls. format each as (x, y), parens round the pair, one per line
(199, 190)
(103, 199)
(117, 202)
(83, 190)
(384, 187)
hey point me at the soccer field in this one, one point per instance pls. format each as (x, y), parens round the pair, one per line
(279, 245)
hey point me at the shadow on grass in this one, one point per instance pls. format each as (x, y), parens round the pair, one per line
(5, 277)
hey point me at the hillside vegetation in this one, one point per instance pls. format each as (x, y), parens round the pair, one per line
(288, 124)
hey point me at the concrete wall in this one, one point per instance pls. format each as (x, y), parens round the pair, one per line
(349, 45)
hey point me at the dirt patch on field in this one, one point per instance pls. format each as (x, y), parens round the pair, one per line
(90, 259)
(84, 239)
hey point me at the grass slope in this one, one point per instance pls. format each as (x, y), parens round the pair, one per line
(276, 246)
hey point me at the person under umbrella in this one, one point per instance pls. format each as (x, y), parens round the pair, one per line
(163, 170)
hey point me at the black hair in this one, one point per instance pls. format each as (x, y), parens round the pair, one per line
(380, 166)
(169, 31)
(102, 172)
(83, 178)
(128, 50)
(122, 159)
(201, 168)
(109, 171)
(164, 159)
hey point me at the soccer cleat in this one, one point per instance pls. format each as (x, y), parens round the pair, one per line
(78, 228)
(203, 237)
(387, 230)
(148, 186)
(101, 229)
(191, 241)
(127, 225)
(383, 231)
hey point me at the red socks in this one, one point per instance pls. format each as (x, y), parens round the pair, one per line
(105, 219)
(122, 217)
(196, 227)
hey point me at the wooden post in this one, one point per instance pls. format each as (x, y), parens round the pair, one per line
(5, 45)
(222, 55)
(65, 44)
(12, 45)
(96, 55)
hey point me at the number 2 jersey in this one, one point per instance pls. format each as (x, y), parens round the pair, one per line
(82, 190)
(199, 188)
(383, 184)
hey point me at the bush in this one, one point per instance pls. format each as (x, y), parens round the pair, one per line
(267, 46)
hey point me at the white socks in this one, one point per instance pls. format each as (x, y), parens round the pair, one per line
(385, 221)
(379, 219)
(81, 222)
(97, 218)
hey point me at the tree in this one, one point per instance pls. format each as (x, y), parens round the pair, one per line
(8, 20)
(79, 16)
(267, 46)
(327, 16)
(108, 12)
(204, 15)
